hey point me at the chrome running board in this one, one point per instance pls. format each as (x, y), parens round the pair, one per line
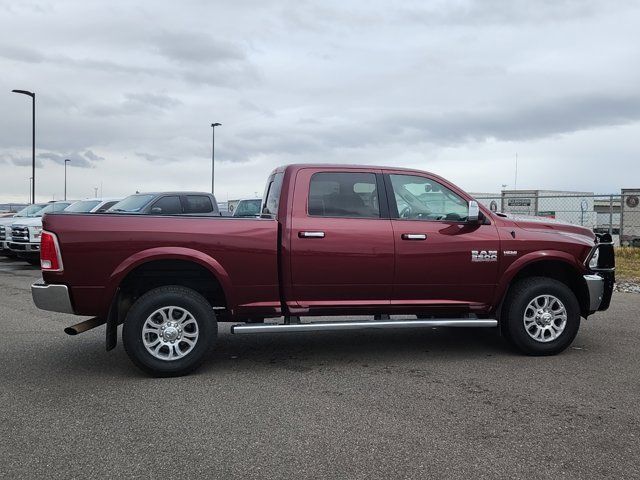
(242, 329)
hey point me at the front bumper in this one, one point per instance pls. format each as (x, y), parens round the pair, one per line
(600, 289)
(54, 298)
(23, 247)
(602, 276)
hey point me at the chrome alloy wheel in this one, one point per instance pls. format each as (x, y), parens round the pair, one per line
(170, 333)
(545, 318)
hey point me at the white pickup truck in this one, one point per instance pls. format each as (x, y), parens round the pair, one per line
(23, 235)
(5, 225)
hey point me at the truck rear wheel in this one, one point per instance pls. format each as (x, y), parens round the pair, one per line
(169, 331)
(541, 316)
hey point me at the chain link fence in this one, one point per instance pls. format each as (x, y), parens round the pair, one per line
(617, 214)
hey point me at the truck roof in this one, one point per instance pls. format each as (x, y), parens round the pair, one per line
(299, 166)
(179, 192)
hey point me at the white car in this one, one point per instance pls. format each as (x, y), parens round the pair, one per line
(26, 231)
(5, 225)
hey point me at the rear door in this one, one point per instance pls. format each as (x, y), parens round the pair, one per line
(342, 247)
(440, 257)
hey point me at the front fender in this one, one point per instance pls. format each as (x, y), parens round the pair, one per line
(528, 259)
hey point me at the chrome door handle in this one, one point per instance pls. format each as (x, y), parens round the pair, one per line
(311, 234)
(414, 236)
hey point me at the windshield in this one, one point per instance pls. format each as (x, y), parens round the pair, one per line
(31, 210)
(82, 206)
(53, 207)
(248, 208)
(133, 203)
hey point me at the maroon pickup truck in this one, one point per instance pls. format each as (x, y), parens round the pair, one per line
(332, 240)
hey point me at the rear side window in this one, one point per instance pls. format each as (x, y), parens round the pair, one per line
(351, 195)
(167, 206)
(198, 204)
(272, 195)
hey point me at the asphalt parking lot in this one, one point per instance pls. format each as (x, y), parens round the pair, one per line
(439, 403)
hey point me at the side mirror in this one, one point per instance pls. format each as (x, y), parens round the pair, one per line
(474, 211)
(156, 210)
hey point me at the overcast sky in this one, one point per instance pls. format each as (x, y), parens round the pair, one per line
(128, 90)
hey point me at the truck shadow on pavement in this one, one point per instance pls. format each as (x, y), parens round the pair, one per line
(333, 349)
(301, 352)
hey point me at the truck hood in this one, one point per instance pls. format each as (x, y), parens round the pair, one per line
(28, 221)
(551, 225)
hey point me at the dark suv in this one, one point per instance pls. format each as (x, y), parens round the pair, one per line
(168, 203)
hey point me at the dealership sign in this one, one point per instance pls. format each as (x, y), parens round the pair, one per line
(519, 202)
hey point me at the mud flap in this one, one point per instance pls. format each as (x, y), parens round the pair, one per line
(111, 331)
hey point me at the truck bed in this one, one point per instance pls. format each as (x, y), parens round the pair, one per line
(99, 250)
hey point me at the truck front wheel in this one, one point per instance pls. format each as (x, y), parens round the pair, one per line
(169, 331)
(541, 316)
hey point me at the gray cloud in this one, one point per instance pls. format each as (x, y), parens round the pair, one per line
(553, 116)
(20, 161)
(216, 69)
(199, 48)
(447, 82)
(85, 159)
(505, 12)
(135, 104)
(153, 158)
(528, 121)
(20, 53)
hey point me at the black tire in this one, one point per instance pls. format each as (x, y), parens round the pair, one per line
(513, 312)
(184, 298)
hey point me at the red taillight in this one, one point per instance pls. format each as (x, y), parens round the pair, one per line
(50, 258)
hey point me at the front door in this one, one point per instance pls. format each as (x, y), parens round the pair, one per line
(342, 247)
(441, 259)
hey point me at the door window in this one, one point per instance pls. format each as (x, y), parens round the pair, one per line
(168, 206)
(198, 204)
(420, 198)
(352, 195)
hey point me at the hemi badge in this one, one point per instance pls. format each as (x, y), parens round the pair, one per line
(510, 253)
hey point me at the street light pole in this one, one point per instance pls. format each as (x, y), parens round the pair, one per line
(213, 148)
(66, 160)
(33, 140)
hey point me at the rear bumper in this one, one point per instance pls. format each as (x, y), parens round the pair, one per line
(54, 298)
(24, 247)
